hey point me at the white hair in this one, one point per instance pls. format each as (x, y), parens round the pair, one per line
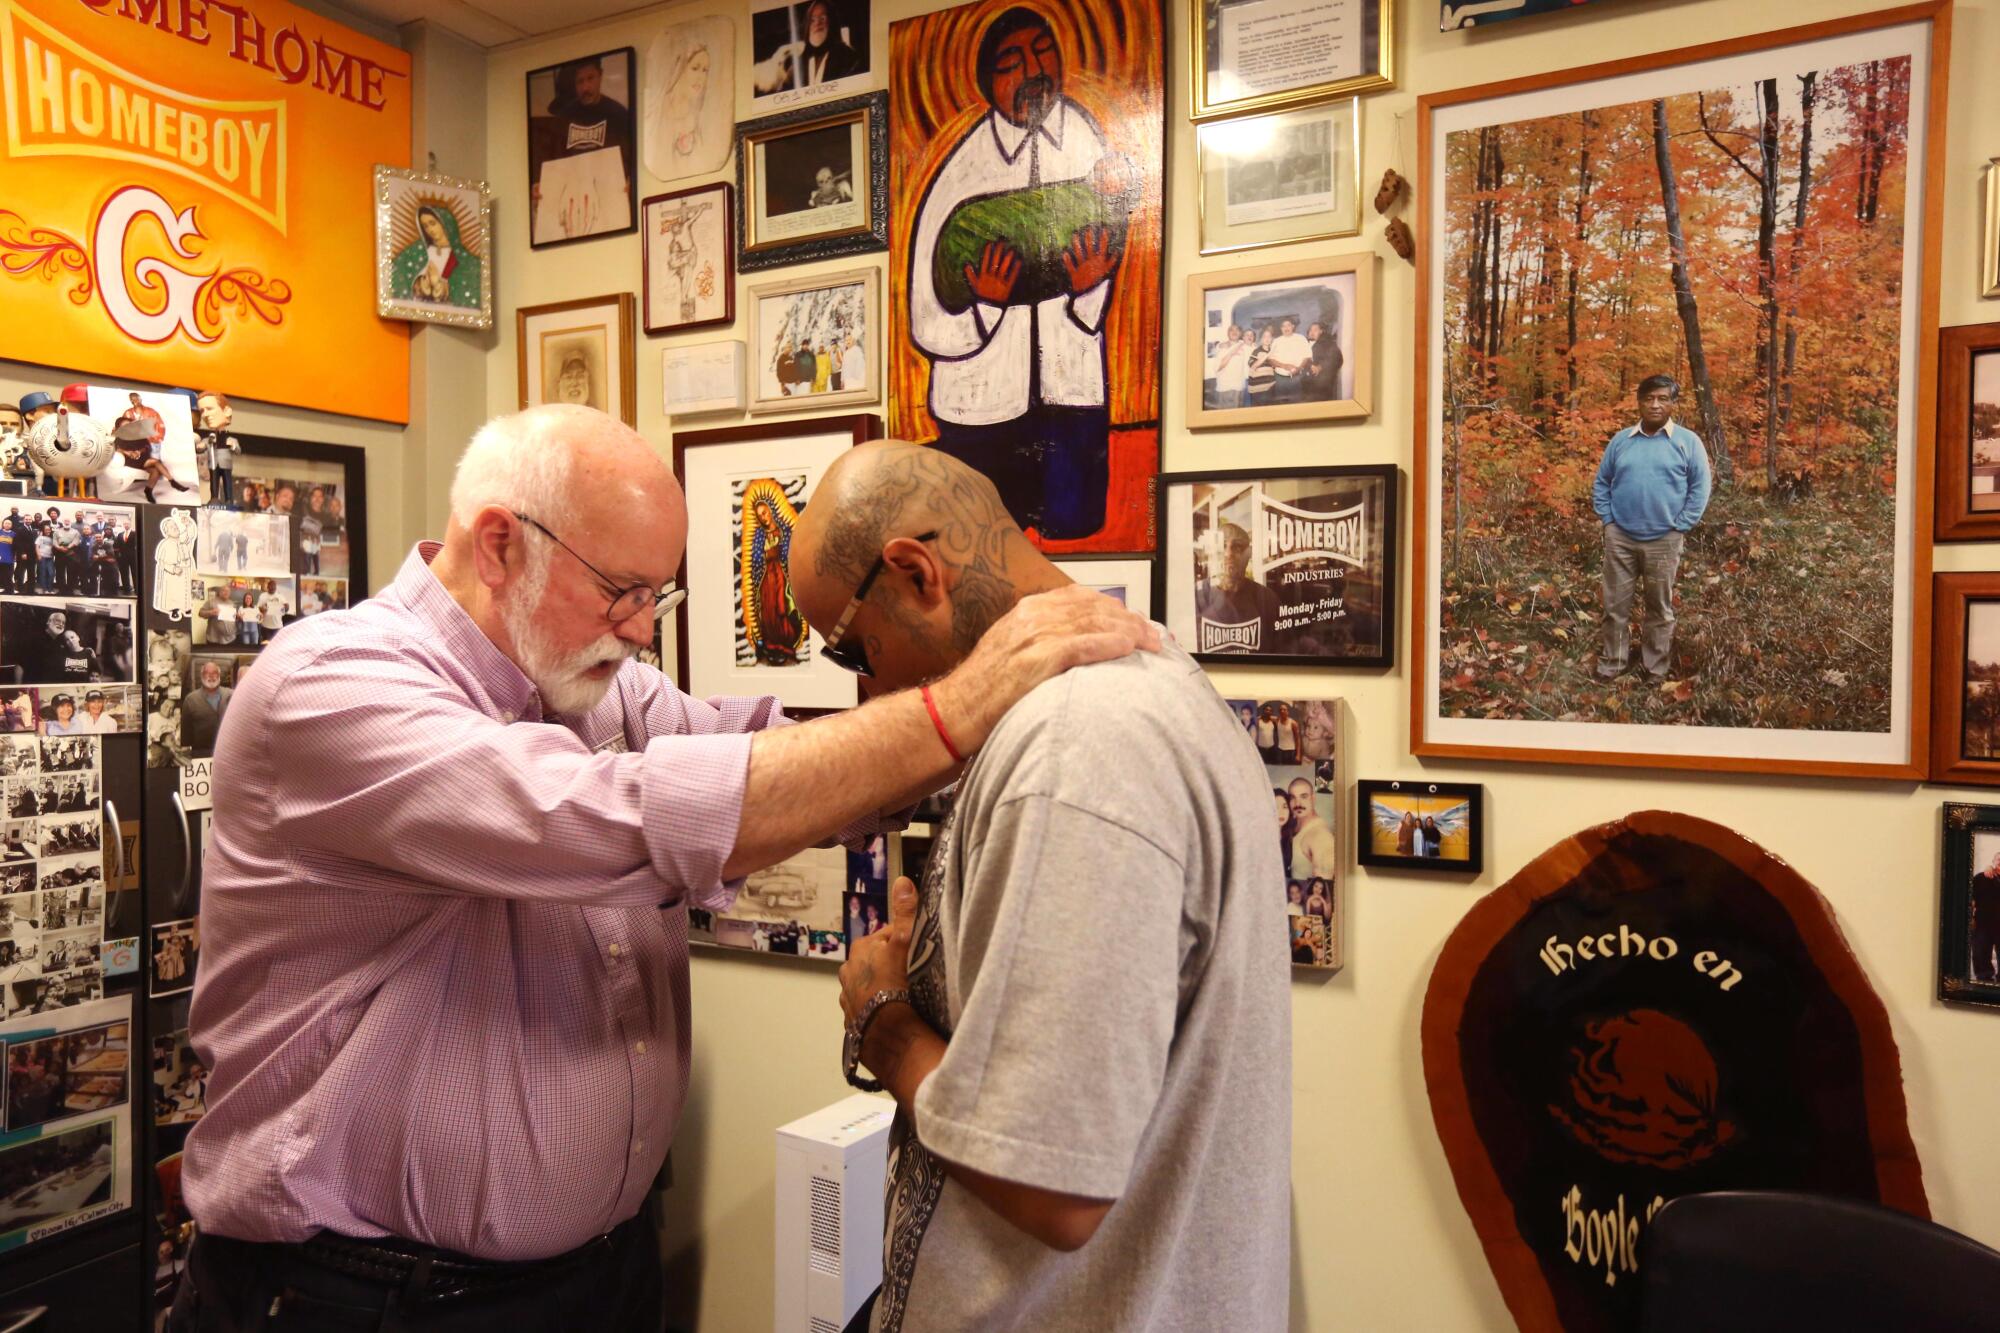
(521, 462)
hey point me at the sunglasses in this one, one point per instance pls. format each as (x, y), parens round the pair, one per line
(853, 656)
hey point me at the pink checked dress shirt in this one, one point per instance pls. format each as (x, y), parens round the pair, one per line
(444, 978)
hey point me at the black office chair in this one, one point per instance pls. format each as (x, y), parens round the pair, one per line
(1754, 1262)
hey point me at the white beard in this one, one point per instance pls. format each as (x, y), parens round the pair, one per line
(558, 676)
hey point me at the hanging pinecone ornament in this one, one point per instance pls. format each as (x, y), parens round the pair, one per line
(1393, 190)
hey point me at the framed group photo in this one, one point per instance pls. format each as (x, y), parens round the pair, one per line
(579, 352)
(740, 630)
(1419, 825)
(815, 183)
(1291, 567)
(1270, 55)
(1968, 433)
(689, 258)
(433, 248)
(1765, 607)
(1274, 180)
(1281, 343)
(1969, 906)
(582, 149)
(816, 342)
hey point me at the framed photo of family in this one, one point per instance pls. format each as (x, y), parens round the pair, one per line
(582, 149)
(1291, 567)
(1305, 764)
(1969, 906)
(1968, 427)
(1763, 603)
(1281, 343)
(815, 183)
(1268, 55)
(1418, 825)
(689, 258)
(1272, 180)
(740, 630)
(816, 342)
(579, 352)
(433, 248)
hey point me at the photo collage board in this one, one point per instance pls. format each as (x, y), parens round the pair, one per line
(52, 883)
(67, 568)
(65, 1153)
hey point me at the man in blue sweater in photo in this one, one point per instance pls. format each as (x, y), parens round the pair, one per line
(1651, 489)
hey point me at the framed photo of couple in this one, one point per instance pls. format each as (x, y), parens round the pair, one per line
(1417, 825)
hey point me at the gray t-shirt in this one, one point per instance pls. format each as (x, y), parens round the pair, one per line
(1098, 938)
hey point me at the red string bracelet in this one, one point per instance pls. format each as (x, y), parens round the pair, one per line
(938, 722)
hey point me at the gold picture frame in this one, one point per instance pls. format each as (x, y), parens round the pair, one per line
(1212, 26)
(790, 321)
(1279, 179)
(813, 184)
(1989, 244)
(1336, 289)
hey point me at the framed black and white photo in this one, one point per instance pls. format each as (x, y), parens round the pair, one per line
(1268, 55)
(1281, 343)
(807, 51)
(816, 342)
(1126, 578)
(433, 248)
(1419, 825)
(66, 641)
(1969, 906)
(582, 149)
(740, 630)
(814, 183)
(689, 257)
(1294, 566)
(1272, 180)
(579, 352)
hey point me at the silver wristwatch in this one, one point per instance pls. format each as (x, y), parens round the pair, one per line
(850, 1046)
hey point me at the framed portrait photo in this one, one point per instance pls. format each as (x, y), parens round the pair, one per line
(579, 352)
(1271, 180)
(1291, 566)
(807, 51)
(582, 149)
(433, 248)
(740, 630)
(1281, 343)
(1633, 545)
(1965, 682)
(1268, 55)
(816, 342)
(1969, 906)
(1305, 764)
(689, 257)
(1419, 825)
(1127, 579)
(814, 183)
(1968, 439)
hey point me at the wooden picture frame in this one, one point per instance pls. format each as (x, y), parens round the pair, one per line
(1971, 848)
(845, 144)
(1211, 91)
(1864, 713)
(1257, 182)
(1989, 243)
(1260, 301)
(1339, 605)
(576, 203)
(695, 286)
(723, 473)
(1460, 803)
(1963, 352)
(776, 314)
(1965, 617)
(606, 344)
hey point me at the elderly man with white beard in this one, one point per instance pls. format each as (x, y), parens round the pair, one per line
(444, 986)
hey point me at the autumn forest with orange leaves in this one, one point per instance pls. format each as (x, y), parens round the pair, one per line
(1748, 241)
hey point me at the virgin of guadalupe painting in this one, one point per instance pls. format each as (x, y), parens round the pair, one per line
(431, 235)
(1026, 150)
(773, 629)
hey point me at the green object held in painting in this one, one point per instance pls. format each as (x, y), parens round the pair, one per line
(1038, 223)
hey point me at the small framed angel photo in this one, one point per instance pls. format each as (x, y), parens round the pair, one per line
(1438, 827)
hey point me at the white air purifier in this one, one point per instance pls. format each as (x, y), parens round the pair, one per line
(832, 1166)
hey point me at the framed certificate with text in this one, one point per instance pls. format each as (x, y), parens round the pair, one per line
(1270, 55)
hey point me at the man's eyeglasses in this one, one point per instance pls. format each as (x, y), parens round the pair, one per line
(625, 602)
(834, 646)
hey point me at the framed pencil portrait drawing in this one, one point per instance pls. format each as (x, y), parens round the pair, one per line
(740, 630)
(1281, 343)
(1268, 55)
(582, 149)
(1661, 518)
(1968, 433)
(579, 352)
(1274, 180)
(815, 183)
(433, 256)
(689, 258)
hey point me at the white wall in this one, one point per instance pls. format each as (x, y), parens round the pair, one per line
(1380, 1241)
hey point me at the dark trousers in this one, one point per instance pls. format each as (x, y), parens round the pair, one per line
(219, 485)
(234, 1286)
(1052, 465)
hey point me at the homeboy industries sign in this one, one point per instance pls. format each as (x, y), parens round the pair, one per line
(1653, 1007)
(189, 197)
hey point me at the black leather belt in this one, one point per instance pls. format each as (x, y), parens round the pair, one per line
(423, 1272)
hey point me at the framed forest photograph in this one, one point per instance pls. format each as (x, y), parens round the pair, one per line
(1675, 358)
